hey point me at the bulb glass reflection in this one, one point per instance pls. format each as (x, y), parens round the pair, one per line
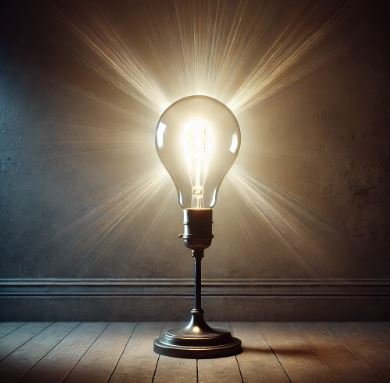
(197, 139)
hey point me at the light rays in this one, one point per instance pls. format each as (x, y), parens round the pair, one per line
(221, 49)
(130, 74)
(203, 44)
(234, 51)
(82, 139)
(293, 224)
(102, 222)
(216, 48)
(156, 221)
(231, 52)
(278, 67)
(86, 95)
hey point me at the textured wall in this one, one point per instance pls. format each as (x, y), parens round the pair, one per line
(82, 194)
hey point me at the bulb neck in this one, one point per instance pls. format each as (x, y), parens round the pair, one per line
(198, 224)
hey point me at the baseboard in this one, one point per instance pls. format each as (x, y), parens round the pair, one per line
(169, 299)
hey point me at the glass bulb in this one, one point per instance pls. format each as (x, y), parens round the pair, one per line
(197, 139)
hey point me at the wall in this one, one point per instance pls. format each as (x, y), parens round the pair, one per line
(88, 217)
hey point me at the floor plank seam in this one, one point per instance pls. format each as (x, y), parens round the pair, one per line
(280, 363)
(239, 369)
(370, 365)
(372, 368)
(81, 356)
(14, 329)
(197, 371)
(21, 378)
(230, 327)
(155, 369)
(123, 351)
(21, 345)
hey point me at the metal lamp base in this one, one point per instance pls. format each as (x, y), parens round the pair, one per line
(197, 340)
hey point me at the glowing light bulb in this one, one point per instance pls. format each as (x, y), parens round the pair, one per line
(197, 139)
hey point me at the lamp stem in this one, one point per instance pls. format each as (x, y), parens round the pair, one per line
(198, 255)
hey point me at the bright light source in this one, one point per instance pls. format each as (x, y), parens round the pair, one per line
(197, 139)
(197, 144)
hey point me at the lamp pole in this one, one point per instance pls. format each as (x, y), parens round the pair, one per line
(198, 255)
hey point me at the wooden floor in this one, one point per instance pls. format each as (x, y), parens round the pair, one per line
(122, 352)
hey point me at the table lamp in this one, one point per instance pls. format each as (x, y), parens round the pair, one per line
(197, 139)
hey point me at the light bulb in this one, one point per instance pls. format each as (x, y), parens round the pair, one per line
(197, 139)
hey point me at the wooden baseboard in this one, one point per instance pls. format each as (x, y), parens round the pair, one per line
(183, 287)
(170, 299)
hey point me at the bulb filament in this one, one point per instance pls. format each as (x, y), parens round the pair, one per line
(196, 142)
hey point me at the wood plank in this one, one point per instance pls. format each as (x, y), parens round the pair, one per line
(297, 359)
(100, 360)
(257, 362)
(219, 369)
(138, 362)
(175, 369)
(57, 364)
(15, 365)
(365, 346)
(23, 334)
(7, 327)
(346, 365)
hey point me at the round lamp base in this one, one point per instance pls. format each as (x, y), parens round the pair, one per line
(197, 341)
